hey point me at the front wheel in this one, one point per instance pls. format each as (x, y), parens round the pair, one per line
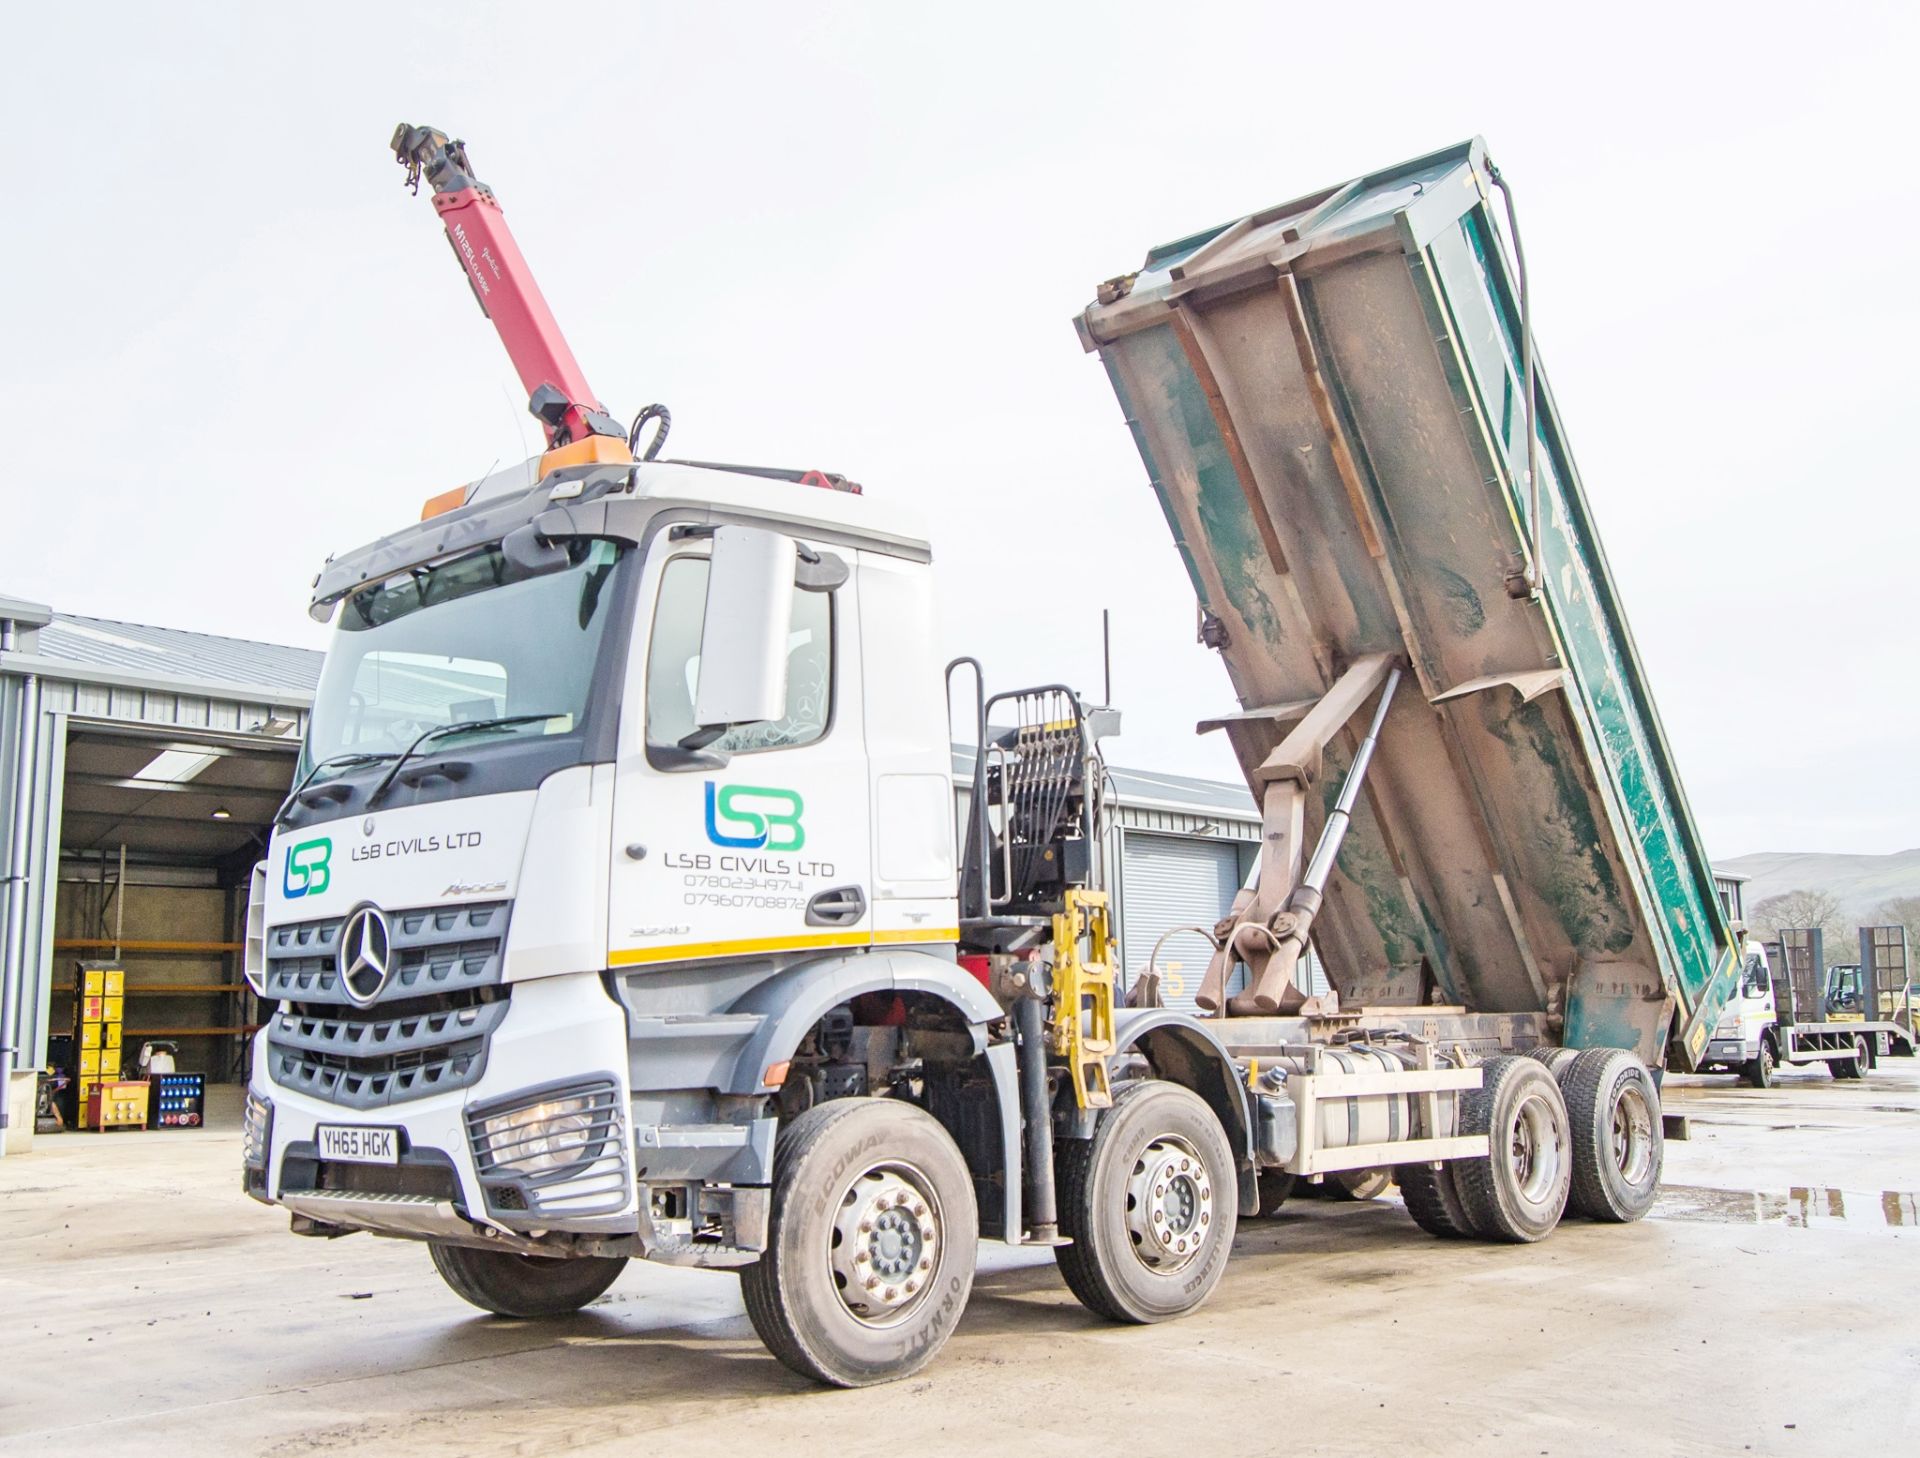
(1758, 1070)
(1150, 1204)
(527, 1286)
(870, 1243)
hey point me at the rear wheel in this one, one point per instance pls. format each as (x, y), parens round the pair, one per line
(1855, 1066)
(1150, 1206)
(1617, 1142)
(527, 1286)
(1433, 1200)
(1556, 1058)
(1758, 1070)
(1357, 1184)
(1519, 1191)
(1276, 1188)
(870, 1243)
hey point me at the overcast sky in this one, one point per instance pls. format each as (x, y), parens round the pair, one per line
(854, 238)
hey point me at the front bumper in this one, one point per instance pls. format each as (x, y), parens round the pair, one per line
(1729, 1050)
(446, 1182)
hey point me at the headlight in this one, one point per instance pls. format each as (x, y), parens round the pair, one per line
(543, 1137)
(256, 1132)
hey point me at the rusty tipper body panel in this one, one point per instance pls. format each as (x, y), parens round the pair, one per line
(1328, 398)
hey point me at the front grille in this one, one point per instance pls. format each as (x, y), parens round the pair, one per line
(438, 949)
(364, 1058)
(593, 1181)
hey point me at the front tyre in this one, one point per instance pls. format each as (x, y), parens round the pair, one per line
(1758, 1070)
(525, 1286)
(870, 1243)
(1150, 1203)
(1617, 1137)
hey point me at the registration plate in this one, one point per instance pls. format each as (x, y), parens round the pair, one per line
(357, 1144)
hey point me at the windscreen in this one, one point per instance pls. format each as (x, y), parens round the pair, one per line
(460, 642)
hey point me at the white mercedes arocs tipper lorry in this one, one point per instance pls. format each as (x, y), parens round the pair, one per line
(620, 909)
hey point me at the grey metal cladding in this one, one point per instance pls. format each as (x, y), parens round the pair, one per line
(439, 949)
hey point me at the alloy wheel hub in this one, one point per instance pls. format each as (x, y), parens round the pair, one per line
(885, 1241)
(1169, 1204)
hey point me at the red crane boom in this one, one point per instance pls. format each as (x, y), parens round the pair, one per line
(557, 391)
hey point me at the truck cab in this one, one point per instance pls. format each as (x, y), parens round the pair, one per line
(574, 744)
(1746, 1036)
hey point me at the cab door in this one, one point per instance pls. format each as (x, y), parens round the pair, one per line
(757, 842)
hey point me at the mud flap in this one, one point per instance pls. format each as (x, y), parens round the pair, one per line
(1619, 1005)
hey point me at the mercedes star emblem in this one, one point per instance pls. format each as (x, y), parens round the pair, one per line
(366, 957)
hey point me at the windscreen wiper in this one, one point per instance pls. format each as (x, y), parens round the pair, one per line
(333, 761)
(462, 726)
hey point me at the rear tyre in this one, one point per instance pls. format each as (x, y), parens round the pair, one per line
(1357, 1184)
(1518, 1192)
(525, 1286)
(1618, 1147)
(870, 1243)
(1855, 1066)
(1556, 1058)
(1276, 1188)
(1150, 1203)
(1433, 1200)
(1758, 1070)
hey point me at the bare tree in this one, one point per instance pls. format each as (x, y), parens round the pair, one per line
(1902, 911)
(1804, 908)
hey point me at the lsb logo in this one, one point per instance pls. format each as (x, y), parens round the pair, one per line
(760, 818)
(306, 872)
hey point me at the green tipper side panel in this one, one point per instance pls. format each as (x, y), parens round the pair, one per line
(1328, 399)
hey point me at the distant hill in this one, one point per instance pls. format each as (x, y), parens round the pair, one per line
(1861, 882)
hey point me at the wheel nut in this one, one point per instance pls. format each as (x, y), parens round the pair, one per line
(891, 1293)
(926, 1263)
(872, 1283)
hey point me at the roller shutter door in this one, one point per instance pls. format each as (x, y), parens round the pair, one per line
(1170, 881)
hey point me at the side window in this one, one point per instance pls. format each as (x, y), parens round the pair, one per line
(673, 667)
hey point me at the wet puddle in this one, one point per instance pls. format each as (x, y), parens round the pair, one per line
(1802, 1205)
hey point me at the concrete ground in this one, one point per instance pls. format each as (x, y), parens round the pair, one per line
(1770, 1306)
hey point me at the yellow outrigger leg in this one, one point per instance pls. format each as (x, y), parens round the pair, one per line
(1082, 1033)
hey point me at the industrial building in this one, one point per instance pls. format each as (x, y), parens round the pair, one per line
(139, 770)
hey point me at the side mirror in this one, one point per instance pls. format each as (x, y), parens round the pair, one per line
(743, 643)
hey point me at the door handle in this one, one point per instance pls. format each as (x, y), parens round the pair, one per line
(840, 906)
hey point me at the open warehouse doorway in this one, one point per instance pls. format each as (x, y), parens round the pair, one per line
(140, 769)
(159, 833)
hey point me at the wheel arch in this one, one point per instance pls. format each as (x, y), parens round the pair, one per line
(791, 1003)
(1183, 1050)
